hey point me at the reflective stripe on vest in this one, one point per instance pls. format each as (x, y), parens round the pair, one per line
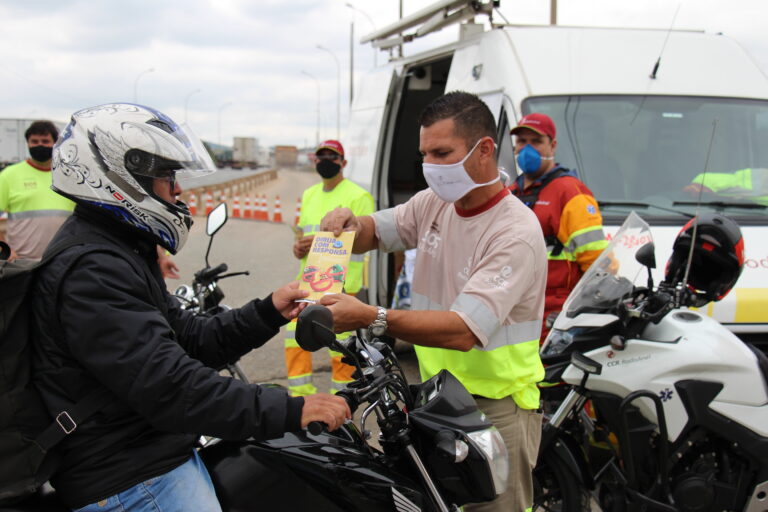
(508, 366)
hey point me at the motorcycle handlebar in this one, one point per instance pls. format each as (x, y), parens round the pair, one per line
(318, 427)
(209, 273)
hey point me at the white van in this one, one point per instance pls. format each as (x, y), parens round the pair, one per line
(636, 140)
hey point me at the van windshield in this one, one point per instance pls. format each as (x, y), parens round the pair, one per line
(649, 153)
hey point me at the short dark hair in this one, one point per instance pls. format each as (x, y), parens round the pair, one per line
(42, 128)
(472, 117)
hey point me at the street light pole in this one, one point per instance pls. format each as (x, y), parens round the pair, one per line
(373, 26)
(317, 83)
(186, 104)
(351, 60)
(218, 121)
(136, 84)
(338, 89)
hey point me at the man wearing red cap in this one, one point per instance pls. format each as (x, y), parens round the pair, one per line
(333, 191)
(566, 209)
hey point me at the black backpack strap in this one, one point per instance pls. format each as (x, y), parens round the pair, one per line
(530, 197)
(67, 421)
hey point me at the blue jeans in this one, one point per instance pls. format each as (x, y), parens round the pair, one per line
(188, 488)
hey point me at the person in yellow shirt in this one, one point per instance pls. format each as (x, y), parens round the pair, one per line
(332, 192)
(35, 212)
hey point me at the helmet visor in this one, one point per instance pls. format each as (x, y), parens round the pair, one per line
(162, 150)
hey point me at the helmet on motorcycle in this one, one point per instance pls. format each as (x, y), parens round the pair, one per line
(717, 260)
(108, 158)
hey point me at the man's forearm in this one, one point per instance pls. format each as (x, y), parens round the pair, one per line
(365, 239)
(444, 329)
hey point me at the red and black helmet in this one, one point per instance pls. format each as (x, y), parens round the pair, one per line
(717, 260)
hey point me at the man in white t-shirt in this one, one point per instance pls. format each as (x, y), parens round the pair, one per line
(479, 280)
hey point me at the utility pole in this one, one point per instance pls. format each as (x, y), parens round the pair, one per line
(351, 60)
(553, 12)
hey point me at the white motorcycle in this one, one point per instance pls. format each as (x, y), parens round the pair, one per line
(666, 409)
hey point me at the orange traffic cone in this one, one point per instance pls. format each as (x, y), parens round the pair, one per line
(264, 212)
(236, 208)
(298, 212)
(247, 207)
(208, 203)
(193, 204)
(277, 214)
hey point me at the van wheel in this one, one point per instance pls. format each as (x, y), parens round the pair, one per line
(556, 488)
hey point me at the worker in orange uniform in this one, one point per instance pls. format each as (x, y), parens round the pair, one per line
(566, 209)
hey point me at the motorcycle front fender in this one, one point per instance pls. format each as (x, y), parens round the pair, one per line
(569, 453)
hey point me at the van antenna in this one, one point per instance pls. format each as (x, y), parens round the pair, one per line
(698, 205)
(658, 61)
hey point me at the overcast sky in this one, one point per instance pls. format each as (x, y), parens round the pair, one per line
(240, 61)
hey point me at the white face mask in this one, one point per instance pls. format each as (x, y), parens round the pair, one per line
(451, 182)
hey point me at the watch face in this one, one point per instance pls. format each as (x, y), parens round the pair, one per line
(378, 330)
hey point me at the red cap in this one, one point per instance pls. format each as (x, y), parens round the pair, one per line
(540, 123)
(333, 145)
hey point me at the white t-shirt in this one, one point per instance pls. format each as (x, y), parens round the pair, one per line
(488, 265)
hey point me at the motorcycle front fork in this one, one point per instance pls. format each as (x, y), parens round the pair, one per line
(574, 401)
(439, 501)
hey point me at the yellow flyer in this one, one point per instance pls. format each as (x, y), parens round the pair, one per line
(327, 264)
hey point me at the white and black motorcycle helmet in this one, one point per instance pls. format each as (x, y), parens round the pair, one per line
(108, 157)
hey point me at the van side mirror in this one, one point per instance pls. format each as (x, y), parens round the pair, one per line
(314, 329)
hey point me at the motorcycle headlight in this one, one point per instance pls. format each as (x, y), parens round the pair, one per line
(557, 342)
(490, 443)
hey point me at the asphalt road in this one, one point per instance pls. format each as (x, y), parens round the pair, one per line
(264, 249)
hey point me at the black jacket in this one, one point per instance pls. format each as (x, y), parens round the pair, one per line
(99, 324)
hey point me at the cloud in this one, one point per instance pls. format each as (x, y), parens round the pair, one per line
(57, 57)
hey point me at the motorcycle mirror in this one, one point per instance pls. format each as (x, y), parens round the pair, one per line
(314, 329)
(216, 219)
(646, 255)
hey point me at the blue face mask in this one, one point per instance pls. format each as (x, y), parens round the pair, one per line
(529, 159)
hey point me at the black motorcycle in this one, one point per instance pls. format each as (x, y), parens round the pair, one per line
(438, 451)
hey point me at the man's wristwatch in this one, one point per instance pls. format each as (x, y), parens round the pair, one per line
(379, 326)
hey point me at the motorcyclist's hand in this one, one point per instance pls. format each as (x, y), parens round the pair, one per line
(331, 410)
(338, 220)
(348, 312)
(302, 245)
(168, 267)
(284, 300)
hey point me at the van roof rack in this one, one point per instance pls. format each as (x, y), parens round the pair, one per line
(430, 19)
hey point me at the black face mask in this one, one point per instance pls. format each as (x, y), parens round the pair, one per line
(327, 169)
(41, 153)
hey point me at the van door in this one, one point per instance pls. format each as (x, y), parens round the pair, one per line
(401, 176)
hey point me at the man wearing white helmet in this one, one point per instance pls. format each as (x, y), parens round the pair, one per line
(104, 320)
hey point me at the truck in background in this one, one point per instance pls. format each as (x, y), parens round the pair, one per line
(245, 151)
(13, 145)
(286, 156)
(636, 127)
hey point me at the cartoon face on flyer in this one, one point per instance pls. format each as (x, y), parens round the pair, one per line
(327, 264)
